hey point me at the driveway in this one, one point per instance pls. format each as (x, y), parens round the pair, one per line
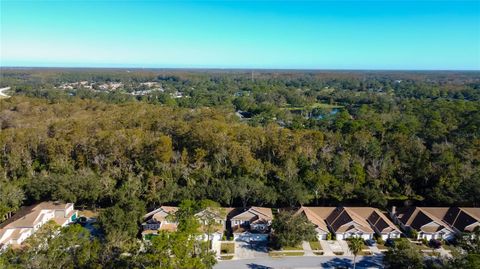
(244, 250)
(304, 262)
(374, 249)
(308, 250)
(332, 246)
(216, 247)
(345, 248)
(444, 253)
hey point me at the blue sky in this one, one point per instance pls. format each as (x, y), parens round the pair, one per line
(301, 35)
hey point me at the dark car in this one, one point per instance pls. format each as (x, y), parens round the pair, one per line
(82, 221)
(390, 243)
(434, 243)
(370, 242)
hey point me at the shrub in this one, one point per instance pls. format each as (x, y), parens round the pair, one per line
(413, 234)
(329, 236)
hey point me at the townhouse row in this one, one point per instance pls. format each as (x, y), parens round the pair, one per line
(437, 222)
(253, 224)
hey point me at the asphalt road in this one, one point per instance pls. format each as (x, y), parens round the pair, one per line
(302, 263)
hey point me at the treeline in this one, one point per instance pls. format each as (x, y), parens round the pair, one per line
(392, 138)
(99, 154)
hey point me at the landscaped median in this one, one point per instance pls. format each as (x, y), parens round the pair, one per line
(365, 252)
(227, 250)
(316, 247)
(285, 253)
(292, 248)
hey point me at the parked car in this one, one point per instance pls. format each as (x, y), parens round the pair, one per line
(82, 221)
(390, 243)
(370, 242)
(434, 243)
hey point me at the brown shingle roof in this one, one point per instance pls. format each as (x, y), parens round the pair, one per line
(343, 219)
(254, 213)
(418, 217)
(381, 223)
(316, 215)
(462, 217)
(170, 227)
(29, 216)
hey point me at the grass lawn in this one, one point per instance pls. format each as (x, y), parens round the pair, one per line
(365, 253)
(380, 246)
(423, 247)
(449, 247)
(432, 254)
(292, 248)
(315, 245)
(227, 248)
(88, 213)
(282, 254)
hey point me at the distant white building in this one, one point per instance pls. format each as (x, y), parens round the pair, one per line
(28, 220)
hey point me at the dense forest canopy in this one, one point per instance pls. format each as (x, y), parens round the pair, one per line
(369, 138)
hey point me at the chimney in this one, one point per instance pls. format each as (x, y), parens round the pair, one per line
(394, 209)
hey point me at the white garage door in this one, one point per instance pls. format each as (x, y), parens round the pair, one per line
(248, 237)
(366, 236)
(321, 236)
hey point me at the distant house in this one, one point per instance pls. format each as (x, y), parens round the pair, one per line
(317, 216)
(252, 224)
(427, 221)
(378, 221)
(346, 222)
(213, 222)
(28, 220)
(161, 219)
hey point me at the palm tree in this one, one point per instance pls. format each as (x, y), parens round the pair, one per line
(355, 246)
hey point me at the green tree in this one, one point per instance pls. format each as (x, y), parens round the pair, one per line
(11, 197)
(177, 250)
(355, 245)
(120, 224)
(404, 255)
(289, 229)
(55, 247)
